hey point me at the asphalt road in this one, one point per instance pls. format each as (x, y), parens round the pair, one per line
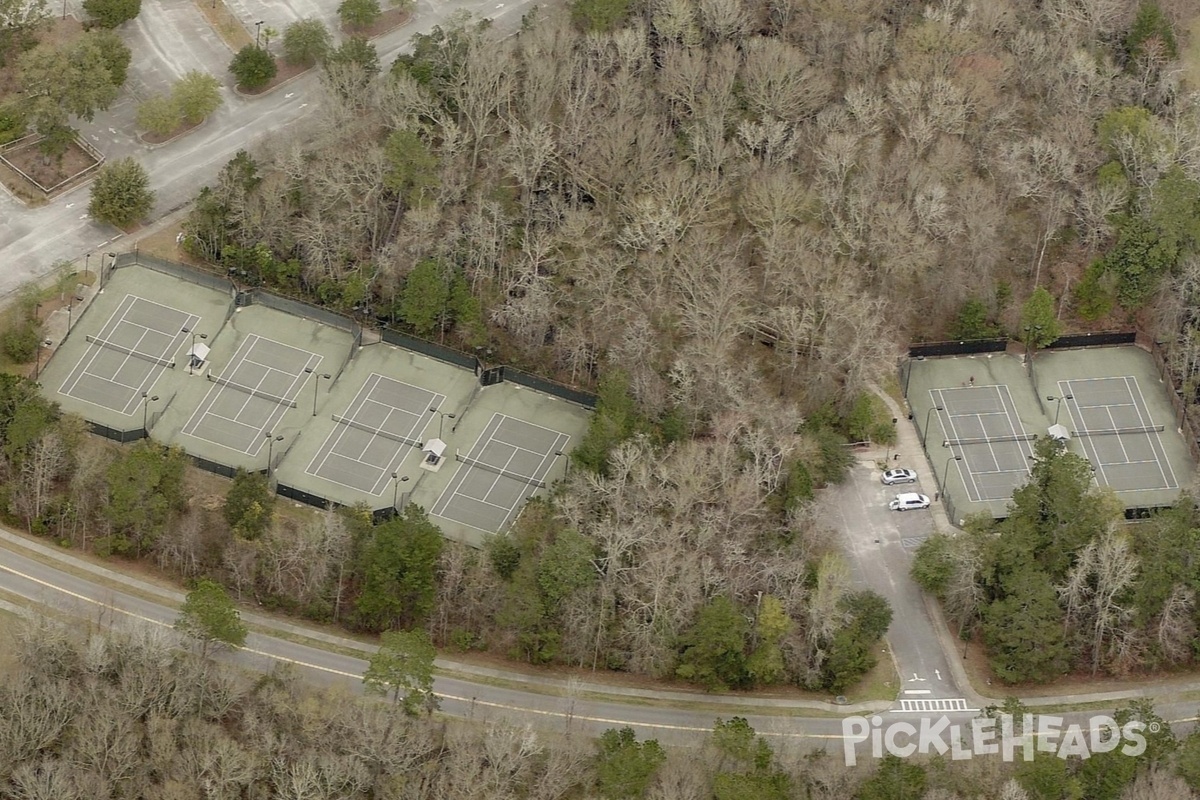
(585, 713)
(676, 722)
(880, 544)
(166, 42)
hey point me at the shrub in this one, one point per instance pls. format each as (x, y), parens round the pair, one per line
(253, 67)
(306, 42)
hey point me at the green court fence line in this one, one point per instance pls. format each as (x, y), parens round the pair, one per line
(299, 308)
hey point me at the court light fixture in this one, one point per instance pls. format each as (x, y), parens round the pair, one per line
(1058, 400)
(147, 399)
(271, 440)
(317, 376)
(396, 490)
(442, 416)
(925, 436)
(946, 471)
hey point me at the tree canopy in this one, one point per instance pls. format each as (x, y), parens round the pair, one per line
(121, 193)
(306, 42)
(402, 667)
(111, 13)
(253, 67)
(210, 617)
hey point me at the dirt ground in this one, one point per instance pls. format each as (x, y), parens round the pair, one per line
(154, 138)
(390, 19)
(286, 73)
(225, 23)
(57, 31)
(50, 172)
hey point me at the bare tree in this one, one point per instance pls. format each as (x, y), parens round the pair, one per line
(1157, 784)
(1094, 594)
(780, 82)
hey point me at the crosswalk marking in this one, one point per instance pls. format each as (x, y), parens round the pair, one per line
(914, 706)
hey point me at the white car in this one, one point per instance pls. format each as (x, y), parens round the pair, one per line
(894, 476)
(908, 501)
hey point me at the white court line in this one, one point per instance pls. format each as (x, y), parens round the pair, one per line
(373, 382)
(980, 414)
(991, 450)
(1024, 448)
(1086, 442)
(490, 430)
(560, 443)
(309, 354)
(340, 430)
(976, 496)
(114, 321)
(253, 340)
(227, 419)
(1112, 424)
(1168, 483)
(244, 350)
(479, 446)
(151, 377)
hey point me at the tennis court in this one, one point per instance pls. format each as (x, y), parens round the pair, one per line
(507, 464)
(982, 428)
(253, 393)
(128, 355)
(1117, 434)
(367, 442)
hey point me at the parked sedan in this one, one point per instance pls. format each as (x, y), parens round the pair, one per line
(894, 476)
(909, 501)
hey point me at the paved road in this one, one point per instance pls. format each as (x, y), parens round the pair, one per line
(880, 544)
(46, 585)
(167, 41)
(670, 717)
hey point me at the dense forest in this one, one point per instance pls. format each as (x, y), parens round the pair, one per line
(726, 218)
(132, 714)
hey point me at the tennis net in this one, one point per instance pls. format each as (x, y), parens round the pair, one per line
(274, 398)
(498, 471)
(1119, 431)
(162, 362)
(377, 431)
(1018, 437)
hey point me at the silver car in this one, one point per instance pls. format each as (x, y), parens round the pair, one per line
(908, 502)
(894, 476)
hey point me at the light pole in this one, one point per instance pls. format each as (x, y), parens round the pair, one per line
(317, 384)
(441, 419)
(1058, 406)
(946, 471)
(567, 468)
(925, 434)
(257, 27)
(86, 260)
(271, 440)
(396, 491)
(192, 354)
(111, 264)
(37, 361)
(147, 399)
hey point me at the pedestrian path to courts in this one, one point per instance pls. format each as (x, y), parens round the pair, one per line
(242, 380)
